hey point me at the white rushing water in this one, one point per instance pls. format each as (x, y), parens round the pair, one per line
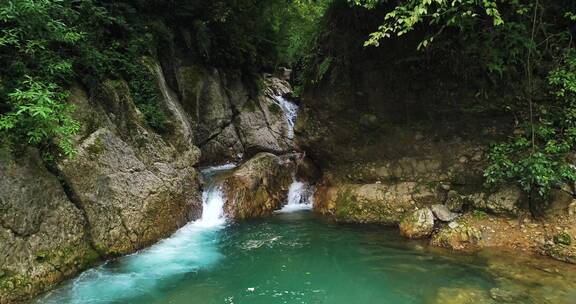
(290, 111)
(193, 247)
(300, 197)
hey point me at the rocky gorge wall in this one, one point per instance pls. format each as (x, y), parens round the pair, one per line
(129, 185)
(401, 142)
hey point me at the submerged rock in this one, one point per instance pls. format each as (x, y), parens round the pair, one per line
(561, 252)
(419, 224)
(257, 187)
(466, 295)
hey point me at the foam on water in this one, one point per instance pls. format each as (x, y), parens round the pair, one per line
(191, 248)
(290, 111)
(300, 197)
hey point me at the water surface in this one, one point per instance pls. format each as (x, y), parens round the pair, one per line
(297, 257)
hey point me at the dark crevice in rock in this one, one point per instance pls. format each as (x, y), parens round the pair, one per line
(215, 135)
(75, 200)
(16, 233)
(233, 118)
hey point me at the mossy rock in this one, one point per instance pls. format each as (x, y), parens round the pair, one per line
(563, 239)
(13, 282)
(459, 238)
(275, 109)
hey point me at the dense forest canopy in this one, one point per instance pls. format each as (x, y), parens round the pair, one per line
(521, 46)
(45, 45)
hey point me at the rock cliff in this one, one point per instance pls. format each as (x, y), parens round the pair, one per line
(129, 185)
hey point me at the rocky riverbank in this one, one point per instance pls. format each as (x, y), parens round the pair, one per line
(131, 185)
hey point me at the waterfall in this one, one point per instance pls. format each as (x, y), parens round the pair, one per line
(290, 111)
(300, 197)
(213, 198)
(191, 248)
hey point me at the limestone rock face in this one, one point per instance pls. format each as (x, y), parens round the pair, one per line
(43, 237)
(232, 120)
(257, 187)
(419, 224)
(127, 187)
(134, 186)
(370, 203)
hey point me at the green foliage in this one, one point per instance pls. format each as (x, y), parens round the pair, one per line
(521, 46)
(41, 115)
(563, 238)
(298, 26)
(406, 16)
(35, 38)
(479, 214)
(542, 162)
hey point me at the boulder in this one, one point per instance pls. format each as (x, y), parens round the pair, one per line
(572, 209)
(461, 237)
(454, 201)
(419, 224)
(230, 120)
(506, 201)
(443, 213)
(559, 202)
(257, 187)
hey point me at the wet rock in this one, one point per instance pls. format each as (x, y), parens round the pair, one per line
(561, 252)
(307, 170)
(257, 187)
(261, 126)
(443, 213)
(284, 73)
(231, 121)
(458, 238)
(419, 224)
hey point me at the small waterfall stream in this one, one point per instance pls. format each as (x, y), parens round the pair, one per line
(300, 197)
(191, 248)
(290, 111)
